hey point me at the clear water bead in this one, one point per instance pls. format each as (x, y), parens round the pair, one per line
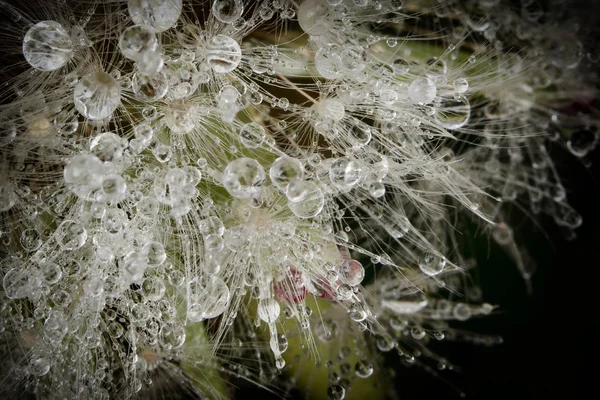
(227, 11)
(180, 116)
(243, 178)
(400, 66)
(284, 170)
(345, 173)
(107, 146)
(47, 46)
(156, 15)
(39, 366)
(305, 198)
(582, 142)
(182, 78)
(150, 88)
(97, 95)
(71, 235)
(376, 189)
(314, 17)
(252, 135)
(336, 392)
(212, 226)
(422, 90)
(328, 61)
(351, 272)
(19, 282)
(268, 310)
(83, 174)
(454, 113)
(363, 368)
(223, 54)
(137, 40)
(209, 298)
(461, 85)
(432, 265)
(114, 189)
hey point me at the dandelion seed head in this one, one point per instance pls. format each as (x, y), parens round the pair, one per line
(194, 186)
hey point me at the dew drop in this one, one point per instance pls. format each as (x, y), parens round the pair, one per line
(227, 11)
(243, 178)
(252, 135)
(453, 113)
(284, 170)
(137, 40)
(431, 265)
(422, 90)
(156, 15)
(97, 95)
(223, 54)
(47, 46)
(314, 17)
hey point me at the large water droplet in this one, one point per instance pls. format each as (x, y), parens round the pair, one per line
(47, 46)
(227, 11)
(345, 173)
(305, 198)
(422, 90)
(97, 95)
(156, 15)
(432, 265)
(71, 235)
(223, 54)
(137, 40)
(453, 113)
(284, 170)
(314, 17)
(243, 178)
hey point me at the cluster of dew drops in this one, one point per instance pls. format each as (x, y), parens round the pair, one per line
(170, 181)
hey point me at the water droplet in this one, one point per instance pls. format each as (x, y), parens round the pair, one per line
(461, 312)
(400, 66)
(107, 146)
(209, 298)
(31, 239)
(377, 189)
(97, 95)
(227, 11)
(223, 54)
(314, 17)
(137, 40)
(180, 116)
(328, 61)
(243, 178)
(351, 272)
(305, 198)
(453, 113)
(582, 142)
(422, 90)
(432, 265)
(150, 88)
(156, 15)
(284, 170)
(461, 85)
(252, 135)
(39, 366)
(154, 254)
(268, 310)
(363, 369)
(71, 235)
(336, 392)
(345, 173)
(47, 46)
